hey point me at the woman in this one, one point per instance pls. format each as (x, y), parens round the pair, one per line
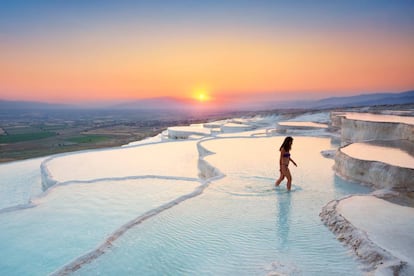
(284, 162)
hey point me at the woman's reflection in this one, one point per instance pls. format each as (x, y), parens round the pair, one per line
(283, 219)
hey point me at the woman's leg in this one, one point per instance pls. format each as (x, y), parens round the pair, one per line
(289, 179)
(281, 177)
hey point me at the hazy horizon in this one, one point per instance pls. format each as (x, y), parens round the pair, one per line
(212, 51)
(248, 102)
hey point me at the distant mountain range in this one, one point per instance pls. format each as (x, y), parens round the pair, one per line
(27, 105)
(161, 103)
(169, 103)
(341, 102)
(366, 100)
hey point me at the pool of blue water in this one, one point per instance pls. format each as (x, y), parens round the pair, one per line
(240, 224)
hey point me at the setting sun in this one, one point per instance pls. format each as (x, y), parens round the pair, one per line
(201, 95)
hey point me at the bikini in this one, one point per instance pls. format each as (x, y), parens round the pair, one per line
(287, 155)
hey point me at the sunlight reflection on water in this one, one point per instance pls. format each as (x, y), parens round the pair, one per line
(380, 118)
(386, 154)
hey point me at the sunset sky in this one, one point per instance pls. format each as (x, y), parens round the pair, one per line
(79, 50)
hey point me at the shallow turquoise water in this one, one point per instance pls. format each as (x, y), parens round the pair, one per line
(73, 219)
(241, 224)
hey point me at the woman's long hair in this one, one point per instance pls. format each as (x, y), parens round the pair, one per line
(287, 144)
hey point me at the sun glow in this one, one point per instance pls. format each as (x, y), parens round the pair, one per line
(201, 95)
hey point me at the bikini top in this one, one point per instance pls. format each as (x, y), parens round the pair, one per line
(286, 154)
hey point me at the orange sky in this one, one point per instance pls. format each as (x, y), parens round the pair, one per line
(116, 61)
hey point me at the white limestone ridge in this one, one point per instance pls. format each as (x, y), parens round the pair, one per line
(375, 174)
(184, 132)
(374, 258)
(362, 127)
(205, 169)
(379, 239)
(359, 127)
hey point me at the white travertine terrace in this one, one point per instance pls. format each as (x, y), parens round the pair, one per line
(304, 125)
(377, 166)
(383, 241)
(381, 118)
(295, 127)
(394, 237)
(386, 163)
(382, 152)
(123, 162)
(357, 127)
(214, 125)
(235, 127)
(184, 132)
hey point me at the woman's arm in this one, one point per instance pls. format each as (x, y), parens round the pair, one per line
(294, 163)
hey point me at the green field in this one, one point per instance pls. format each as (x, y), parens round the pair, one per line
(53, 127)
(21, 137)
(22, 130)
(83, 139)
